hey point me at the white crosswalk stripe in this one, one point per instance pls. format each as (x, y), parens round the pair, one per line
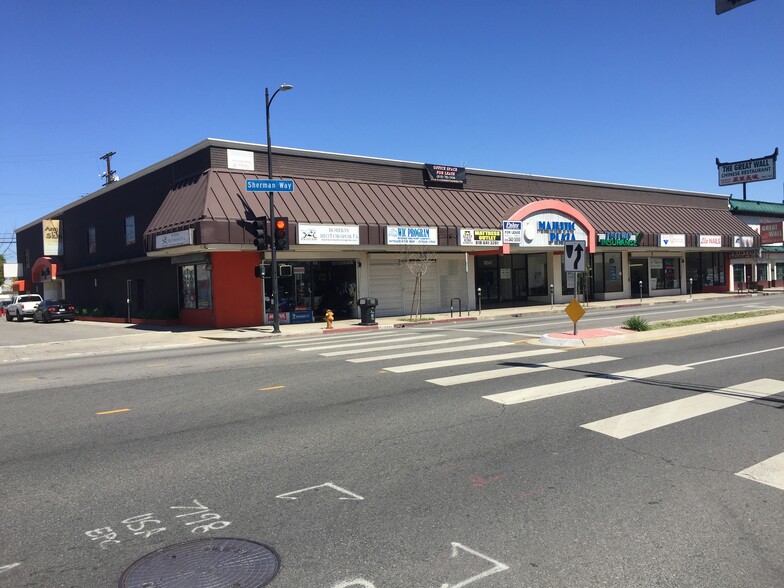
(587, 383)
(287, 342)
(770, 472)
(460, 361)
(519, 370)
(391, 347)
(661, 415)
(431, 352)
(361, 343)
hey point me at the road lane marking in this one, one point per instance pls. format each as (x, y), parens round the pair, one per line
(587, 383)
(322, 338)
(431, 352)
(415, 367)
(735, 356)
(519, 370)
(114, 411)
(646, 419)
(391, 347)
(770, 472)
(271, 388)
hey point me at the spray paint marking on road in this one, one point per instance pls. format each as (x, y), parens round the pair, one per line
(271, 388)
(114, 411)
(9, 567)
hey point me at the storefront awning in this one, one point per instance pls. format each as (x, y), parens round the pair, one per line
(45, 269)
(19, 286)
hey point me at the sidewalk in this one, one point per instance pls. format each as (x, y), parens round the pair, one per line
(122, 337)
(344, 326)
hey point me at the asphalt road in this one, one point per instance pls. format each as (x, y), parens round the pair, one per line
(362, 471)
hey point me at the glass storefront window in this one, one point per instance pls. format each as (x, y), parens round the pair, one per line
(705, 269)
(608, 272)
(195, 286)
(665, 273)
(762, 271)
(779, 271)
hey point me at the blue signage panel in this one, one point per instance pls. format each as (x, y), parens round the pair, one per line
(269, 185)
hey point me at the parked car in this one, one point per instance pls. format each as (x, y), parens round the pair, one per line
(50, 310)
(22, 306)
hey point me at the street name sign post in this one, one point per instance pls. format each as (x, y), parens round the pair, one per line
(269, 185)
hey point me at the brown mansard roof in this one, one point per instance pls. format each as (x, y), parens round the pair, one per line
(216, 203)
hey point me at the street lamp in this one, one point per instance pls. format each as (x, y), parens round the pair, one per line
(273, 248)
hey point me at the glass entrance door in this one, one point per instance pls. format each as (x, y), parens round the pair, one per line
(638, 270)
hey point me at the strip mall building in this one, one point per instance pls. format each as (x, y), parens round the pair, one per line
(176, 239)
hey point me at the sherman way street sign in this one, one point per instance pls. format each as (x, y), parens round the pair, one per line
(269, 185)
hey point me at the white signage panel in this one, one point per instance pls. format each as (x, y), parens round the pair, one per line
(710, 240)
(175, 239)
(672, 240)
(742, 241)
(751, 170)
(240, 159)
(412, 236)
(551, 229)
(513, 232)
(480, 237)
(327, 234)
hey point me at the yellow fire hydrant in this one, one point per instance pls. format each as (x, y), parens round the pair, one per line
(329, 316)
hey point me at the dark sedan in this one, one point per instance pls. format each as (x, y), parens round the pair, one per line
(50, 310)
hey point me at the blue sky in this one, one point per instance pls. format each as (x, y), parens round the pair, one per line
(628, 91)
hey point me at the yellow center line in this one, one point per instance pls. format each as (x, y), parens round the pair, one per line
(28, 379)
(114, 411)
(156, 364)
(272, 388)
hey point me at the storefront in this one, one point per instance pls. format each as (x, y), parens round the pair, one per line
(176, 240)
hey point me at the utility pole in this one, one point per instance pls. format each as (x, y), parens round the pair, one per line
(109, 171)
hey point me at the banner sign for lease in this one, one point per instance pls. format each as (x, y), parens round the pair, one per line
(513, 231)
(771, 233)
(480, 237)
(445, 173)
(327, 234)
(53, 242)
(412, 236)
(751, 170)
(710, 240)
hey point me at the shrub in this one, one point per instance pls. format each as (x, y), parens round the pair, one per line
(637, 323)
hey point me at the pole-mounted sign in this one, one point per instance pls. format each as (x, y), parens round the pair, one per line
(575, 253)
(269, 185)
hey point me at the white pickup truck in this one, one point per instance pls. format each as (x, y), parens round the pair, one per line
(22, 306)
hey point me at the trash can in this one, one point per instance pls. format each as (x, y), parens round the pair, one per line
(367, 310)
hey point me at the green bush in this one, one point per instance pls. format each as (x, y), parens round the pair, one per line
(97, 312)
(637, 323)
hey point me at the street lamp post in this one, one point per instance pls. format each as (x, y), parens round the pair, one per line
(273, 249)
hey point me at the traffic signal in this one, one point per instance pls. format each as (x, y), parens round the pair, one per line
(260, 232)
(280, 233)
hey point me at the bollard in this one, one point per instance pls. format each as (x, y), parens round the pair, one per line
(552, 296)
(479, 298)
(691, 283)
(640, 291)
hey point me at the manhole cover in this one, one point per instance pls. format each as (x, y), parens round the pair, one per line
(205, 563)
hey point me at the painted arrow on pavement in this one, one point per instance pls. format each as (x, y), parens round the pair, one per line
(351, 495)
